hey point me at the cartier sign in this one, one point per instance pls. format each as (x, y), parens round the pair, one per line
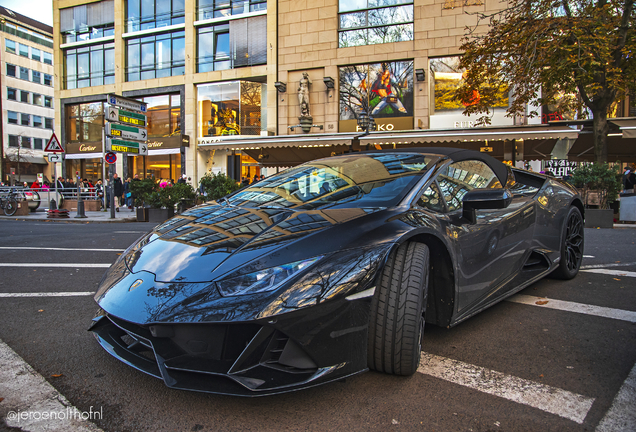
(83, 147)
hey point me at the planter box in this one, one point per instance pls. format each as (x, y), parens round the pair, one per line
(89, 205)
(142, 214)
(23, 209)
(597, 218)
(159, 215)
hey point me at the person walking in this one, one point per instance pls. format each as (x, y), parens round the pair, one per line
(118, 187)
(128, 198)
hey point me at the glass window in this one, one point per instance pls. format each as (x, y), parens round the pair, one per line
(461, 177)
(25, 142)
(89, 21)
(368, 22)
(156, 56)
(13, 141)
(214, 48)
(24, 96)
(164, 117)
(47, 57)
(83, 122)
(37, 99)
(37, 144)
(48, 101)
(24, 73)
(48, 80)
(208, 9)
(35, 54)
(24, 50)
(25, 119)
(150, 14)
(36, 77)
(9, 46)
(48, 123)
(12, 117)
(37, 121)
(431, 199)
(11, 70)
(12, 94)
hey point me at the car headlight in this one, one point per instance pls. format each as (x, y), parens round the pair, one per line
(262, 280)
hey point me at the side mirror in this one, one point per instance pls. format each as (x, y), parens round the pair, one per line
(484, 199)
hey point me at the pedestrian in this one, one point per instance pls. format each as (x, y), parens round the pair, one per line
(629, 179)
(99, 191)
(245, 182)
(262, 177)
(128, 198)
(182, 179)
(118, 191)
(256, 178)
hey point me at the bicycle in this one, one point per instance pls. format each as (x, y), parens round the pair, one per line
(9, 203)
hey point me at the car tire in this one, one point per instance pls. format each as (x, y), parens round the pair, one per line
(572, 244)
(397, 311)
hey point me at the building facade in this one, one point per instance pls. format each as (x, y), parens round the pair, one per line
(28, 113)
(247, 87)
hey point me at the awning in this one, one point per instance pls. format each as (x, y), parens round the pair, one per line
(39, 160)
(627, 126)
(619, 148)
(539, 132)
(83, 156)
(298, 140)
(164, 151)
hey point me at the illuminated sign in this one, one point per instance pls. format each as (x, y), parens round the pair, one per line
(123, 146)
(128, 117)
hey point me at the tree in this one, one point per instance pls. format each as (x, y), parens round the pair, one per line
(545, 49)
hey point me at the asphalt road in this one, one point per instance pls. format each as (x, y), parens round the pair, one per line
(584, 356)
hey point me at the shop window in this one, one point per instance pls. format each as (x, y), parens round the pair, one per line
(12, 117)
(12, 94)
(146, 15)
(155, 56)
(363, 22)
(231, 108)
(83, 122)
(381, 90)
(9, 46)
(11, 70)
(163, 115)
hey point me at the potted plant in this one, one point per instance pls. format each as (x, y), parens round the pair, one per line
(185, 195)
(161, 202)
(600, 185)
(141, 190)
(216, 186)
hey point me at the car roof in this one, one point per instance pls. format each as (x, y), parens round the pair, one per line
(456, 155)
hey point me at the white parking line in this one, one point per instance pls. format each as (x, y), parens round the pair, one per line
(79, 265)
(595, 266)
(622, 414)
(47, 294)
(60, 249)
(550, 399)
(33, 404)
(611, 272)
(618, 314)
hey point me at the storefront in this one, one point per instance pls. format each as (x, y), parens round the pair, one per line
(83, 140)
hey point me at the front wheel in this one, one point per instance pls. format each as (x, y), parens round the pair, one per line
(572, 242)
(397, 311)
(11, 206)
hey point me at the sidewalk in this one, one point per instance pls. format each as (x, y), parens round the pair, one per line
(123, 215)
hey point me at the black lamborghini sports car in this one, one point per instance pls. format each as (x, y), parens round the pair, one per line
(331, 268)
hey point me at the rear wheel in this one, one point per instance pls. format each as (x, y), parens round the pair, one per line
(397, 311)
(10, 207)
(571, 246)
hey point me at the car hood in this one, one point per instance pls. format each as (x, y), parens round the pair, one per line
(207, 242)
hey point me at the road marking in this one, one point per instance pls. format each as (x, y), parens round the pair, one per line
(49, 294)
(589, 256)
(581, 308)
(31, 401)
(61, 249)
(80, 265)
(611, 272)
(622, 414)
(595, 266)
(550, 399)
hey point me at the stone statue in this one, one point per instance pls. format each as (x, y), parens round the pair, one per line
(303, 95)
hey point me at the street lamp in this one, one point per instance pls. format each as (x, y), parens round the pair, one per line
(366, 122)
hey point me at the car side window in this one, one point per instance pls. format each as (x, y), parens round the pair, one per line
(431, 199)
(460, 177)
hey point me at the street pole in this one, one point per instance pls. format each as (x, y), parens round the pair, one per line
(104, 162)
(80, 201)
(111, 189)
(52, 203)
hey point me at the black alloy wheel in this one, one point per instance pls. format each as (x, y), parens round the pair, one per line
(397, 311)
(571, 246)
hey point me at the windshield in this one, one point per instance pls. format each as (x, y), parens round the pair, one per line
(364, 180)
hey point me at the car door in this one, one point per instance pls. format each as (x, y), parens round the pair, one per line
(491, 250)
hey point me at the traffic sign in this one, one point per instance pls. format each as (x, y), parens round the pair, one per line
(53, 145)
(123, 146)
(110, 157)
(126, 132)
(55, 157)
(128, 117)
(123, 102)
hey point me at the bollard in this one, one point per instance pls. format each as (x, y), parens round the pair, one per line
(80, 202)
